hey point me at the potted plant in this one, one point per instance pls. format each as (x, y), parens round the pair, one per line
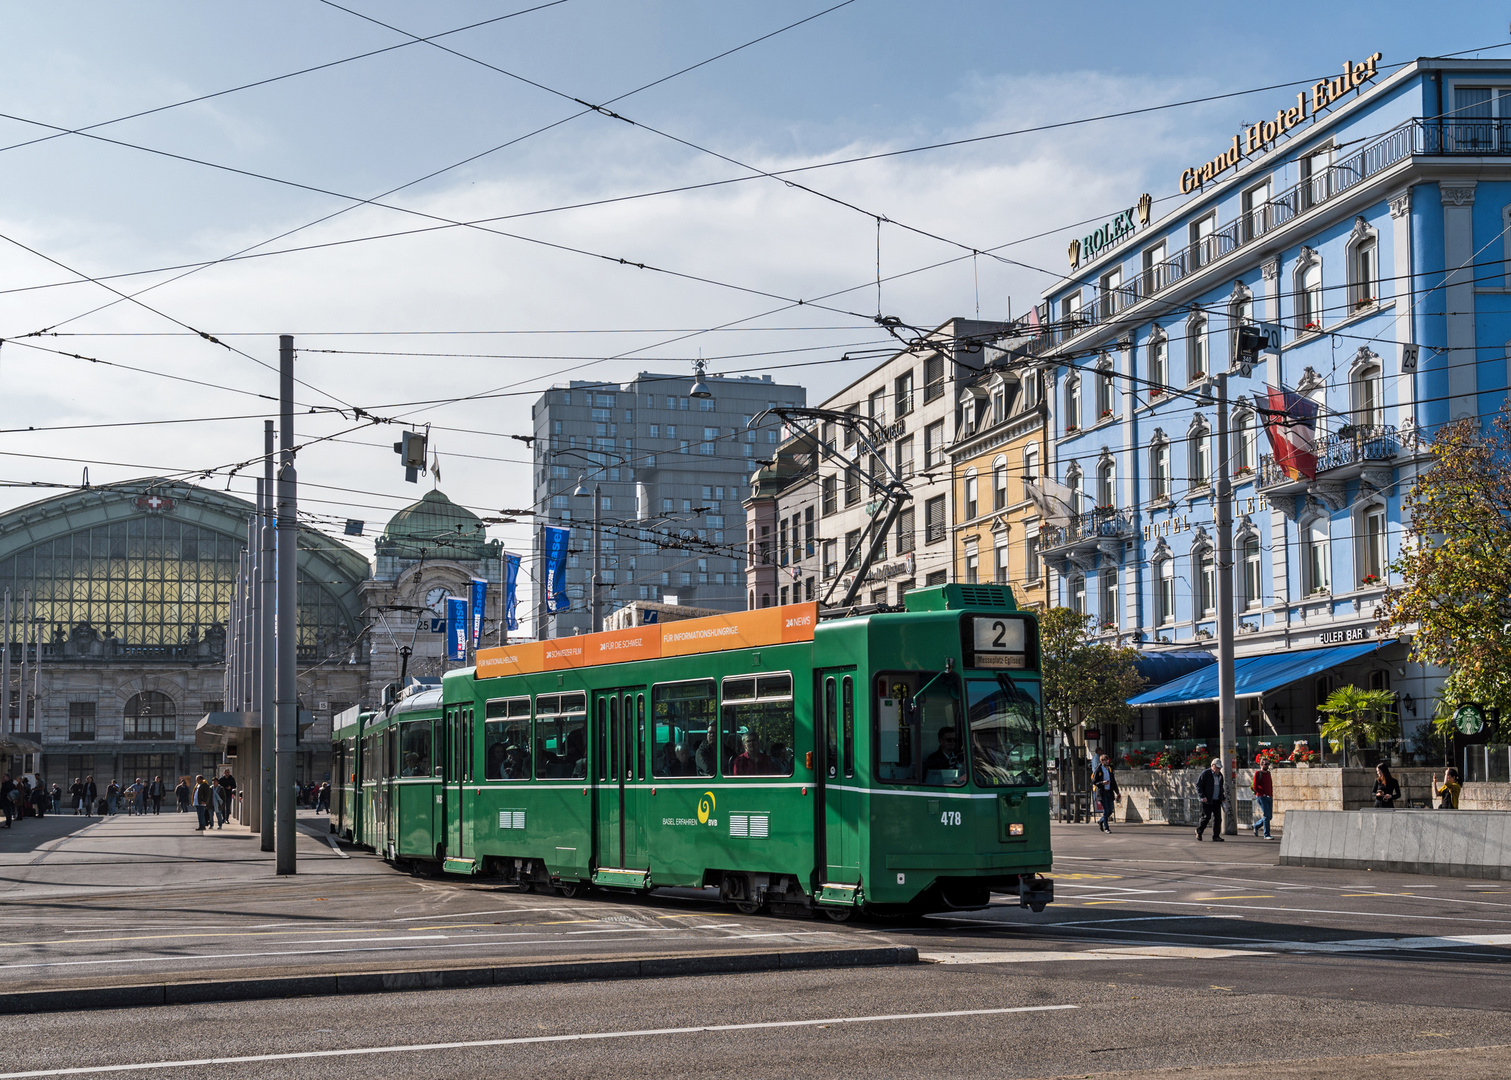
(1369, 579)
(1070, 428)
(1359, 716)
(1156, 391)
(1136, 759)
(1363, 302)
(1302, 755)
(1198, 376)
(1267, 755)
(1106, 413)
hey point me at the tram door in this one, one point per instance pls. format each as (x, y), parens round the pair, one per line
(618, 752)
(836, 809)
(451, 830)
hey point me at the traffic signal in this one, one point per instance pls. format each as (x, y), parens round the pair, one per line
(1253, 339)
(411, 447)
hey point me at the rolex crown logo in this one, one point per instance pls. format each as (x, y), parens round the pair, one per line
(1075, 254)
(1145, 203)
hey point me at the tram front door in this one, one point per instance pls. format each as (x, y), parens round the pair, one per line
(836, 810)
(619, 718)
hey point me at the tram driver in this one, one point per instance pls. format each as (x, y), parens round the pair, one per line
(948, 754)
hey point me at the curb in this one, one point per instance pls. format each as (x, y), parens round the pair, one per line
(379, 982)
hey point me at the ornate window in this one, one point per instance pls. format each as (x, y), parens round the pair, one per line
(1253, 582)
(1308, 291)
(1159, 466)
(1373, 554)
(1206, 580)
(1031, 462)
(1199, 454)
(1073, 482)
(1363, 252)
(1107, 585)
(1107, 482)
(1366, 390)
(1245, 443)
(1164, 578)
(1077, 593)
(1240, 313)
(1316, 556)
(149, 715)
(1106, 397)
(972, 505)
(1159, 364)
(999, 482)
(1196, 348)
(1072, 402)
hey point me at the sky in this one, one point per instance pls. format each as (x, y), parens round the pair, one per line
(441, 223)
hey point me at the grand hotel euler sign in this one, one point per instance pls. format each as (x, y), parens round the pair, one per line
(1257, 138)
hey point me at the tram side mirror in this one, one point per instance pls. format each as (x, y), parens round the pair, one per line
(808, 759)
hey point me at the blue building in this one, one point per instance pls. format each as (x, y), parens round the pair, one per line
(1370, 220)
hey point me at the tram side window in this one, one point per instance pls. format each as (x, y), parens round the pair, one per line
(506, 739)
(369, 760)
(685, 718)
(561, 737)
(918, 729)
(759, 725)
(414, 748)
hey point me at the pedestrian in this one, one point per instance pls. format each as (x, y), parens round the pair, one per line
(1264, 797)
(1106, 784)
(203, 801)
(76, 792)
(1448, 791)
(113, 797)
(323, 799)
(91, 795)
(1387, 788)
(134, 798)
(227, 785)
(56, 798)
(7, 798)
(1211, 787)
(181, 793)
(156, 792)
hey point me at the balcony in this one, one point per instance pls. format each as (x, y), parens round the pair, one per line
(1418, 137)
(1103, 529)
(1344, 455)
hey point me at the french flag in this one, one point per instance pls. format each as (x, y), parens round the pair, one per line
(1291, 423)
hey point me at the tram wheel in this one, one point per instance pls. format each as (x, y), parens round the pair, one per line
(748, 907)
(571, 891)
(839, 914)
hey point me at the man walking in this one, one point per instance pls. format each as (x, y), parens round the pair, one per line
(204, 796)
(227, 788)
(91, 796)
(1264, 798)
(1106, 784)
(1211, 789)
(156, 792)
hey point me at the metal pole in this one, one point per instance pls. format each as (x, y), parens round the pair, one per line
(287, 601)
(597, 551)
(5, 670)
(25, 663)
(1227, 702)
(267, 570)
(244, 762)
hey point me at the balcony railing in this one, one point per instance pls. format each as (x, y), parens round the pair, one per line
(1100, 524)
(1348, 446)
(1416, 137)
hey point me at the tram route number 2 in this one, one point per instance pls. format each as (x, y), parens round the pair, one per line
(950, 817)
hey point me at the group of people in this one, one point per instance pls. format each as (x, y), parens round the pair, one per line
(26, 795)
(1211, 790)
(743, 755)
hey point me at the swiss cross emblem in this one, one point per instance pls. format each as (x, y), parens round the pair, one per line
(155, 504)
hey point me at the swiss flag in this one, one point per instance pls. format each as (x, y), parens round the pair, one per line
(1290, 420)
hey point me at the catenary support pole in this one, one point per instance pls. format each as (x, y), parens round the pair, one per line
(1227, 703)
(597, 559)
(22, 710)
(287, 702)
(5, 670)
(245, 763)
(266, 765)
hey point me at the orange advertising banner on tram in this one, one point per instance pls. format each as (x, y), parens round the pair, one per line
(686, 637)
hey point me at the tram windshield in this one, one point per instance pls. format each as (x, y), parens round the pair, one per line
(1006, 732)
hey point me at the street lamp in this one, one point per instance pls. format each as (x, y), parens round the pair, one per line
(582, 492)
(700, 388)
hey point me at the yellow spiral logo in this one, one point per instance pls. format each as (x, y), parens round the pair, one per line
(705, 807)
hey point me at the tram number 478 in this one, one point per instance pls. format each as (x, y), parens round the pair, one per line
(950, 817)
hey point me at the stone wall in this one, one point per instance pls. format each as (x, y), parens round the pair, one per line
(1478, 796)
(1169, 795)
(1462, 843)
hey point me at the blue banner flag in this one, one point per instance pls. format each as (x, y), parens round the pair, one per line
(479, 595)
(456, 628)
(511, 597)
(555, 546)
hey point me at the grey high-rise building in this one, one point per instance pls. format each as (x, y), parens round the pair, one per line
(670, 470)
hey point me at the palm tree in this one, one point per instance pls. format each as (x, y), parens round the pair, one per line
(1359, 716)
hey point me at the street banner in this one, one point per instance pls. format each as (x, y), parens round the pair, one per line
(511, 596)
(456, 628)
(555, 547)
(1290, 421)
(479, 596)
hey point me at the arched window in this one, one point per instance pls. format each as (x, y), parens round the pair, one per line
(1164, 576)
(1245, 444)
(1206, 580)
(1077, 596)
(1072, 402)
(1196, 348)
(1030, 463)
(1366, 389)
(1308, 285)
(1199, 455)
(1107, 481)
(999, 482)
(1253, 582)
(972, 505)
(1240, 313)
(150, 715)
(1159, 468)
(1363, 250)
(1316, 556)
(1159, 365)
(1373, 555)
(1073, 482)
(1106, 399)
(765, 599)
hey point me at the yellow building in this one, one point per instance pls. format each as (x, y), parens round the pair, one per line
(995, 526)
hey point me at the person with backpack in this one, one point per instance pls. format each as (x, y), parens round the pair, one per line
(204, 802)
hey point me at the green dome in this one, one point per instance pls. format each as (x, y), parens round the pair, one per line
(434, 528)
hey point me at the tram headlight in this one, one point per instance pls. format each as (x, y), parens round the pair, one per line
(1015, 829)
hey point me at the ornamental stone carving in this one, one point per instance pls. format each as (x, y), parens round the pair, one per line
(1459, 194)
(1400, 203)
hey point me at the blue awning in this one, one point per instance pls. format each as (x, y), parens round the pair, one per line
(1254, 675)
(1158, 668)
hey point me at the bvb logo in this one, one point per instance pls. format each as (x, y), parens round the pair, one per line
(1075, 254)
(705, 807)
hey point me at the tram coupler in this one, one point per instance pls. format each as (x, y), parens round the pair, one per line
(1035, 891)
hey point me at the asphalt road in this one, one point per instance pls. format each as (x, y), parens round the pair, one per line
(1159, 954)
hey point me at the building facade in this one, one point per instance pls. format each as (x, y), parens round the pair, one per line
(1368, 221)
(999, 449)
(810, 507)
(671, 471)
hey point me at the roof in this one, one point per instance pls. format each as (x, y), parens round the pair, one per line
(1254, 675)
(434, 527)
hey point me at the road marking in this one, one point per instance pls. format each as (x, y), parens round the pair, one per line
(476, 914)
(1145, 918)
(1258, 896)
(1456, 941)
(586, 1036)
(1094, 903)
(1039, 956)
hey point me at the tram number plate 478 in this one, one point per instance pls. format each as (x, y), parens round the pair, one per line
(950, 817)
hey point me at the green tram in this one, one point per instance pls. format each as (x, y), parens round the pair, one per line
(892, 762)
